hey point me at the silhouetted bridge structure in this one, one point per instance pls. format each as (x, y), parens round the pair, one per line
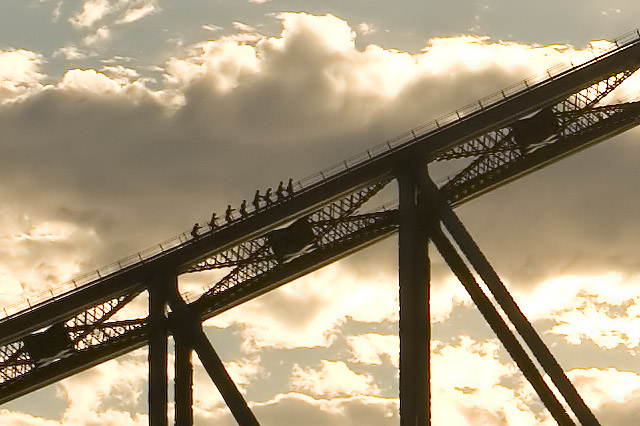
(507, 135)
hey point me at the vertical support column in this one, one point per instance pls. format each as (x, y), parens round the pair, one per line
(158, 382)
(183, 382)
(189, 326)
(415, 332)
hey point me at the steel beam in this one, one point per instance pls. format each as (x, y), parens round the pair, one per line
(498, 325)
(183, 389)
(158, 332)
(479, 262)
(413, 273)
(382, 166)
(189, 326)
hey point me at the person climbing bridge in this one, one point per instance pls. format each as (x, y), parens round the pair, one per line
(228, 214)
(212, 222)
(243, 208)
(290, 188)
(280, 191)
(256, 200)
(267, 196)
(194, 230)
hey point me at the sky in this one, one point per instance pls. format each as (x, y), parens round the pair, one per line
(123, 122)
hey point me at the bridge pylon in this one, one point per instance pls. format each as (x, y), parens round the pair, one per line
(189, 337)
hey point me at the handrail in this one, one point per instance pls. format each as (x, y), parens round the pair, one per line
(317, 178)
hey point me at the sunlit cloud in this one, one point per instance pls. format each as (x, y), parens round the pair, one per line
(371, 348)
(240, 26)
(121, 74)
(122, 381)
(102, 34)
(20, 72)
(303, 314)
(71, 53)
(93, 11)
(139, 12)
(55, 15)
(365, 28)
(333, 378)
(242, 372)
(212, 28)
(604, 309)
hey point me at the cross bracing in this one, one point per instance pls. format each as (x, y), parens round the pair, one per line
(497, 138)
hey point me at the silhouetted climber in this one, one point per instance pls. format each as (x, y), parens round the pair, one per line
(256, 200)
(212, 223)
(290, 188)
(267, 196)
(227, 214)
(194, 230)
(243, 208)
(280, 191)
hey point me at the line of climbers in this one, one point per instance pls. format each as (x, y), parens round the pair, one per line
(257, 198)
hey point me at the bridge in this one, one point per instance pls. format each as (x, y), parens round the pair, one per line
(504, 136)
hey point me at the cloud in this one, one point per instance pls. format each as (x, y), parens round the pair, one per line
(303, 314)
(365, 28)
(602, 386)
(20, 73)
(289, 408)
(70, 53)
(10, 418)
(211, 27)
(102, 34)
(369, 348)
(334, 378)
(55, 14)
(604, 309)
(240, 26)
(139, 11)
(93, 11)
(121, 74)
(93, 393)
(242, 371)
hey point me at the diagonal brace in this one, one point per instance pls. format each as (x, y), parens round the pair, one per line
(479, 262)
(498, 325)
(185, 323)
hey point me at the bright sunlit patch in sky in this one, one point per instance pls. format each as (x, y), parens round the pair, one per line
(125, 122)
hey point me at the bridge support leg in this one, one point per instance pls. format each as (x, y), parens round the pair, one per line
(183, 382)
(500, 327)
(190, 328)
(414, 273)
(158, 382)
(482, 266)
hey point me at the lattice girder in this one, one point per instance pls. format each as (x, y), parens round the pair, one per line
(593, 94)
(82, 330)
(258, 250)
(586, 127)
(500, 140)
(117, 338)
(362, 228)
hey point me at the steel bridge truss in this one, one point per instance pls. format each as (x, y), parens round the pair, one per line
(304, 240)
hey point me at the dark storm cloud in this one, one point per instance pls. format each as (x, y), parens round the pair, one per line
(125, 162)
